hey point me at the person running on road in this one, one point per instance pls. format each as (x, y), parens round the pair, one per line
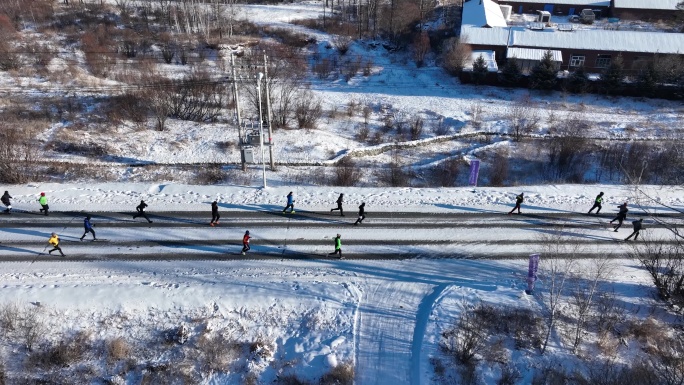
(338, 247)
(6, 201)
(597, 203)
(362, 214)
(54, 241)
(245, 242)
(214, 214)
(290, 203)
(340, 200)
(88, 227)
(621, 216)
(141, 211)
(43, 202)
(637, 225)
(518, 201)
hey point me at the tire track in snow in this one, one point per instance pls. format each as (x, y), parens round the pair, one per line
(386, 325)
(422, 320)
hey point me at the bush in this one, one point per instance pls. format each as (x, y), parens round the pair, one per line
(456, 53)
(342, 374)
(307, 110)
(467, 337)
(346, 173)
(210, 174)
(446, 173)
(9, 317)
(63, 353)
(215, 354)
(117, 349)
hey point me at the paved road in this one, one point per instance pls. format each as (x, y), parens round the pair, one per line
(307, 235)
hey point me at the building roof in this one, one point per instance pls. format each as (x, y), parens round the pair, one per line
(484, 36)
(588, 3)
(647, 4)
(488, 56)
(601, 40)
(532, 54)
(483, 13)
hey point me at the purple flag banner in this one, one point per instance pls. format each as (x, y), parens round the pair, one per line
(474, 172)
(532, 272)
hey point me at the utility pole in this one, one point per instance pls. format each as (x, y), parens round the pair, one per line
(268, 115)
(237, 112)
(261, 128)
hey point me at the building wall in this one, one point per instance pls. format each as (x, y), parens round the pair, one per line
(558, 9)
(642, 14)
(633, 62)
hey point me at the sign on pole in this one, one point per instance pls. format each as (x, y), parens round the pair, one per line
(474, 171)
(532, 273)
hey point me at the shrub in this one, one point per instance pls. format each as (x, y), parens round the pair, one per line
(307, 110)
(467, 337)
(416, 129)
(446, 173)
(346, 173)
(63, 353)
(209, 174)
(342, 374)
(9, 317)
(117, 349)
(456, 53)
(215, 354)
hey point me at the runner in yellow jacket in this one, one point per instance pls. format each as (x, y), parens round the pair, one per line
(54, 241)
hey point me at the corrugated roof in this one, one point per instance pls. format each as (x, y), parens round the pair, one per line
(486, 36)
(647, 4)
(592, 3)
(602, 40)
(483, 13)
(532, 54)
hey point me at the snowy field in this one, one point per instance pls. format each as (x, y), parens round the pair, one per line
(257, 321)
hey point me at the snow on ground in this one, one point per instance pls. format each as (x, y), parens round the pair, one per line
(102, 197)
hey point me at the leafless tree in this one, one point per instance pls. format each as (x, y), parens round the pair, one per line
(456, 54)
(523, 117)
(18, 151)
(307, 109)
(421, 47)
(665, 264)
(555, 268)
(584, 290)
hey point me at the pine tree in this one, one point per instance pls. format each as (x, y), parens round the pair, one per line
(479, 70)
(648, 79)
(511, 73)
(613, 76)
(578, 82)
(543, 76)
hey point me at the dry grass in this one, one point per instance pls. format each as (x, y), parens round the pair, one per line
(117, 349)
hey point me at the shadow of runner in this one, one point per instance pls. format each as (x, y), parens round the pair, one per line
(19, 250)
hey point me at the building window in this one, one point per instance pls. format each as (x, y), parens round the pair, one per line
(577, 61)
(602, 61)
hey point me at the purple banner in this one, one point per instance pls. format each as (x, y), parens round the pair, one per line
(532, 272)
(474, 172)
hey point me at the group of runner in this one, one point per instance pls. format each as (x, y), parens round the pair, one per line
(215, 216)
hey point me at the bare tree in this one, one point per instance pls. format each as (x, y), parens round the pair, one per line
(18, 152)
(523, 117)
(421, 47)
(456, 54)
(665, 264)
(557, 264)
(584, 290)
